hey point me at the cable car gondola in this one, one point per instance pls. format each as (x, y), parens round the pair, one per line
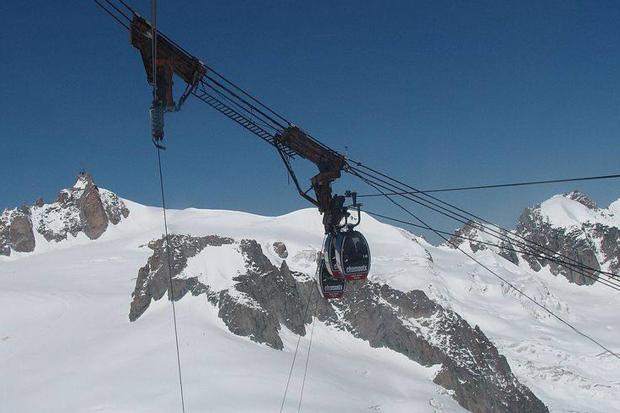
(330, 256)
(329, 287)
(352, 255)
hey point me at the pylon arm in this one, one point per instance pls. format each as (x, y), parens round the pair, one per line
(171, 60)
(325, 159)
(329, 163)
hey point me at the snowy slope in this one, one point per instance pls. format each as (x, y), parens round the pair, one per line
(575, 226)
(66, 343)
(567, 211)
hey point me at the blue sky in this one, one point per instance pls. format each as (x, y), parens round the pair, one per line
(436, 93)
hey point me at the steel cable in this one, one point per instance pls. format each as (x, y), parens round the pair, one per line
(576, 330)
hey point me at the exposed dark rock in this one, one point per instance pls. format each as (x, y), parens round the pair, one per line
(114, 207)
(92, 214)
(62, 198)
(249, 321)
(610, 245)
(536, 240)
(267, 298)
(16, 231)
(83, 208)
(21, 237)
(412, 324)
(470, 234)
(573, 244)
(65, 213)
(582, 199)
(5, 248)
(574, 250)
(153, 279)
(467, 235)
(280, 249)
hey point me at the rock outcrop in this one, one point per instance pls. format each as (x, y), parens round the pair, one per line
(573, 245)
(16, 231)
(21, 237)
(83, 208)
(581, 237)
(280, 249)
(93, 216)
(154, 278)
(264, 298)
(479, 238)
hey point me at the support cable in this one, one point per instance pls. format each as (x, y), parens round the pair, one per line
(506, 235)
(605, 282)
(290, 372)
(526, 243)
(573, 264)
(174, 313)
(303, 383)
(248, 95)
(248, 113)
(469, 188)
(111, 14)
(250, 105)
(163, 203)
(118, 10)
(576, 330)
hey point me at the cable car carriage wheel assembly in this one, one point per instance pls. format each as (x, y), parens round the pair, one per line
(345, 255)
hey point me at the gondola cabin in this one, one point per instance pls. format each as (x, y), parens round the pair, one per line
(329, 253)
(352, 255)
(329, 287)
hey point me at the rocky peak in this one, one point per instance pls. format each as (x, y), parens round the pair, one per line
(475, 237)
(84, 179)
(16, 231)
(581, 198)
(92, 212)
(82, 208)
(575, 227)
(263, 298)
(570, 224)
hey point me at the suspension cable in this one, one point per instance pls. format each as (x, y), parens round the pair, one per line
(469, 188)
(248, 95)
(118, 20)
(303, 383)
(163, 203)
(117, 9)
(290, 372)
(608, 283)
(244, 101)
(398, 188)
(500, 236)
(481, 220)
(544, 308)
(171, 286)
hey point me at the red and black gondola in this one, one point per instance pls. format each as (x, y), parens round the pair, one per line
(352, 255)
(329, 287)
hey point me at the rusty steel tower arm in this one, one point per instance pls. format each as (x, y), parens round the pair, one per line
(218, 92)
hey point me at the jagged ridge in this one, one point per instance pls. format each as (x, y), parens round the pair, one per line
(266, 298)
(570, 224)
(83, 208)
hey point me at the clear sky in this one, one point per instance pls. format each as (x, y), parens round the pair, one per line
(437, 93)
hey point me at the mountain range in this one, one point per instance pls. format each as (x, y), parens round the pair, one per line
(85, 322)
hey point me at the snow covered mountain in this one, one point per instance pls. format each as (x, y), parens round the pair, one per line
(571, 224)
(84, 208)
(85, 324)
